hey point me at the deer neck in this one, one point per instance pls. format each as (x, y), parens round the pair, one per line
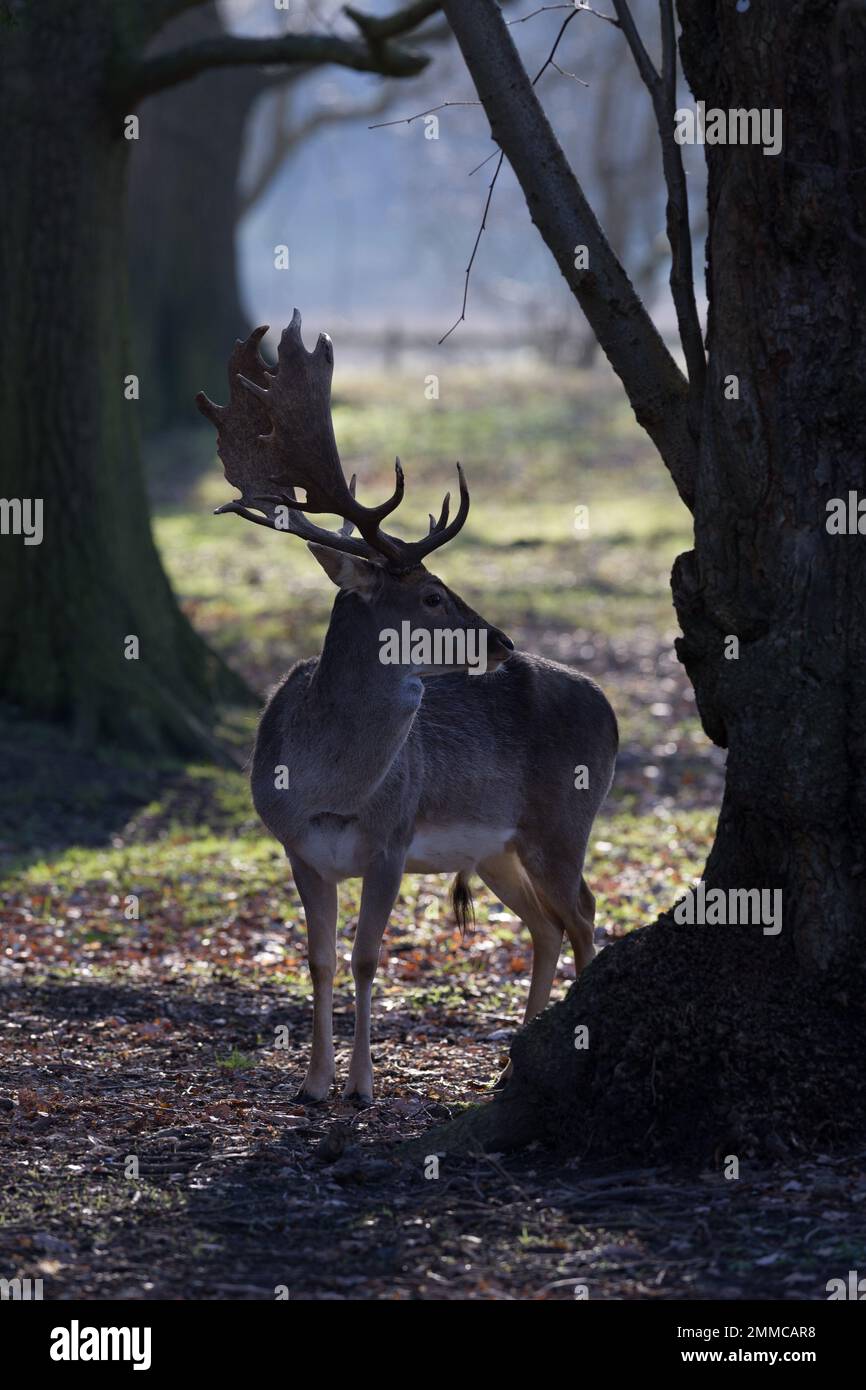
(364, 707)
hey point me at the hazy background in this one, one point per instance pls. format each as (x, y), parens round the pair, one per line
(380, 223)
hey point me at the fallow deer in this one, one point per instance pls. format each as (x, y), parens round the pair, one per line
(414, 767)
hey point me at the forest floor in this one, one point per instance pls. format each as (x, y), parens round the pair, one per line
(155, 1000)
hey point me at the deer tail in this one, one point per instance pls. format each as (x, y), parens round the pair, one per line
(462, 904)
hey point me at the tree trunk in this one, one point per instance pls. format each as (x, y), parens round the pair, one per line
(708, 1040)
(785, 284)
(183, 213)
(69, 435)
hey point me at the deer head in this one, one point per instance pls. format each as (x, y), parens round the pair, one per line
(275, 436)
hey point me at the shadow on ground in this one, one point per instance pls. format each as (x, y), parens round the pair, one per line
(143, 1160)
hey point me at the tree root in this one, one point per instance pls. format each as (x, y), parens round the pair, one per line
(701, 1042)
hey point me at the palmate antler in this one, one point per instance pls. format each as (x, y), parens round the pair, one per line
(276, 435)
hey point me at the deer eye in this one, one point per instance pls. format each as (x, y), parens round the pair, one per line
(432, 600)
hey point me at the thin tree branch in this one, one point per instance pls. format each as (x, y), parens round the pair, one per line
(572, 5)
(486, 160)
(654, 383)
(645, 67)
(542, 9)
(545, 65)
(562, 72)
(608, 18)
(407, 120)
(481, 231)
(145, 76)
(662, 88)
(548, 62)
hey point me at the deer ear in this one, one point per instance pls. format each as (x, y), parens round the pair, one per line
(349, 572)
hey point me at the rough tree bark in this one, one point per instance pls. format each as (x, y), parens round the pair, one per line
(706, 1040)
(70, 72)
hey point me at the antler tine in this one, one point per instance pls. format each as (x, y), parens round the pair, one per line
(376, 544)
(406, 554)
(347, 527)
(441, 531)
(301, 444)
(436, 526)
(298, 525)
(276, 435)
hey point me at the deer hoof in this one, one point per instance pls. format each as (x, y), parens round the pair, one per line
(303, 1097)
(359, 1099)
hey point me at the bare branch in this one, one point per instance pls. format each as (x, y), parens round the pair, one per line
(547, 63)
(481, 231)
(655, 385)
(542, 9)
(573, 5)
(486, 160)
(669, 51)
(651, 78)
(662, 88)
(141, 78)
(608, 18)
(407, 120)
(562, 72)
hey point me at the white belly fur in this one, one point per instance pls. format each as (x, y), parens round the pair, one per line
(340, 852)
(443, 849)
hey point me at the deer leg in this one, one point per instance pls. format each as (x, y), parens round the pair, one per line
(320, 909)
(506, 877)
(581, 931)
(378, 895)
(567, 899)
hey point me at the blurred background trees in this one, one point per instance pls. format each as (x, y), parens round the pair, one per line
(235, 159)
(230, 159)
